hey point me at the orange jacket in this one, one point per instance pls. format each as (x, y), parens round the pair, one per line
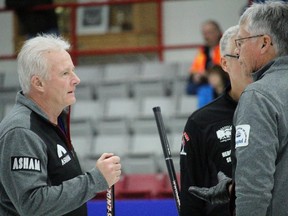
(198, 65)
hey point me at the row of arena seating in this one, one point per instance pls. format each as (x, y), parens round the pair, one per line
(142, 186)
(123, 73)
(136, 89)
(132, 80)
(139, 153)
(132, 107)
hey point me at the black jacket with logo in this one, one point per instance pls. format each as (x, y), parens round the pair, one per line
(205, 150)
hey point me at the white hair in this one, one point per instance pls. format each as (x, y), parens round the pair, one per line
(31, 59)
(226, 39)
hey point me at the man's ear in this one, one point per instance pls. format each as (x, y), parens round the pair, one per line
(223, 62)
(37, 83)
(266, 43)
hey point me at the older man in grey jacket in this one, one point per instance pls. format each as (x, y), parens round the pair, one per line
(261, 118)
(39, 170)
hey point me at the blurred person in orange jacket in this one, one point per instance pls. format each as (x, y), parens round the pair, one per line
(207, 56)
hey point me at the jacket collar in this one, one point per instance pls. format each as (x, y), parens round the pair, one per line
(260, 73)
(20, 98)
(277, 62)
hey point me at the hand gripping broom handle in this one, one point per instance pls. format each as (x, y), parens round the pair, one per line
(110, 199)
(167, 155)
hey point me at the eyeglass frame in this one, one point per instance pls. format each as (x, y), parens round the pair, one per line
(231, 56)
(240, 39)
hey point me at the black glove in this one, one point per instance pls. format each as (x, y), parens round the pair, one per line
(218, 194)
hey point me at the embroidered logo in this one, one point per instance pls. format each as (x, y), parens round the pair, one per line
(242, 135)
(25, 163)
(226, 155)
(224, 133)
(62, 154)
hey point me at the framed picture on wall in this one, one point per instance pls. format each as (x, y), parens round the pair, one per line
(92, 20)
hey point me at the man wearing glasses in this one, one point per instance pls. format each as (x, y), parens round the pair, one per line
(261, 118)
(206, 139)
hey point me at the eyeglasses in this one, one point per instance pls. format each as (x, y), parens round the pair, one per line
(239, 41)
(231, 56)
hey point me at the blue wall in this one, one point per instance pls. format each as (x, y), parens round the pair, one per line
(166, 207)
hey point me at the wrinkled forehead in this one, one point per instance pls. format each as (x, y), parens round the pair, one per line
(243, 31)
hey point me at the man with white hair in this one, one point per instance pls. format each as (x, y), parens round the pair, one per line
(39, 170)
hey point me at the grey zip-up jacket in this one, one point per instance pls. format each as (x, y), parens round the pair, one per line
(39, 170)
(261, 141)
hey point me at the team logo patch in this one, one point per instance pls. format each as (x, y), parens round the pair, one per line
(224, 133)
(25, 163)
(62, 154)
(242, 135)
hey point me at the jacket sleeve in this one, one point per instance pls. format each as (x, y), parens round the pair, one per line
(256, 146)
(198, 64)
(192, 171)
(29, 190)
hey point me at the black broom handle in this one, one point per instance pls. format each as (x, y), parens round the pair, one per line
(167, 155)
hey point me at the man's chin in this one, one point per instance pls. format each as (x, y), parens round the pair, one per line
(71, 101)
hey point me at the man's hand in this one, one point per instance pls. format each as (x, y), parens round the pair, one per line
(110, 167)
(218, 194)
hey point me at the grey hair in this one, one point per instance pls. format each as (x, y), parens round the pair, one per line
(225, 41)
(269, 18)
(31, 59)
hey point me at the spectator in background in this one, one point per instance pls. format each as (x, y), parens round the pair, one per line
(218, 80)
(39, 170)
(206, 142)
(33, 22)
(207, 56)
